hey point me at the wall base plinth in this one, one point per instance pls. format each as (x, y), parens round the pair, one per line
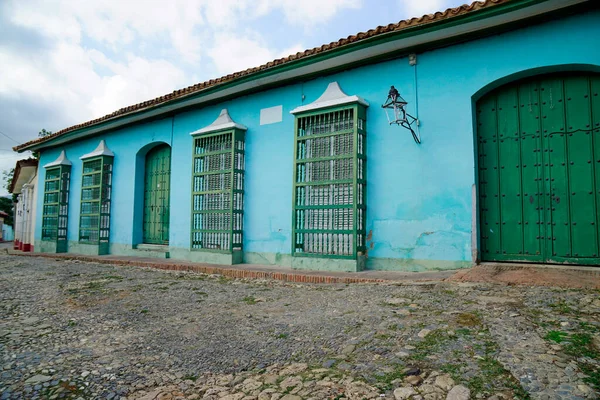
(256, 258)
(328, 264)
(208, 257)
(150, 250)
(87, 249)
(44, 246)
(414, 265)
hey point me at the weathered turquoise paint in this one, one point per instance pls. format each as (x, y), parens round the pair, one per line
(419, 197)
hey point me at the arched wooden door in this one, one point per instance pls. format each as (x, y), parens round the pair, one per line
(539, 170)
(157, 184)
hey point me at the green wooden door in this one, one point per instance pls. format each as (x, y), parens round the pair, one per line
(539, 170)
(156, 195)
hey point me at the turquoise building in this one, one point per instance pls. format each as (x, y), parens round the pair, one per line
(295, 162)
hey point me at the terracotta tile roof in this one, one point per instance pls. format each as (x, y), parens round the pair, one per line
(177, 94)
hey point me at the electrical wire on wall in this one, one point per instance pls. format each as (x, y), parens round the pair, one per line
(172, 130)
(413, 62)
(395, 106)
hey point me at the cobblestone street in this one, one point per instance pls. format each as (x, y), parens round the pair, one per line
(72, 329)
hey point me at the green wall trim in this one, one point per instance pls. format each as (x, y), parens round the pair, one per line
(323, 56)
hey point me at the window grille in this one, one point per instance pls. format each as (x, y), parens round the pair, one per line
(330, 183)
(218, 191)
(96, 187)
(56, 205)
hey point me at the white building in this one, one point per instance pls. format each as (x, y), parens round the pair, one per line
(24, 184)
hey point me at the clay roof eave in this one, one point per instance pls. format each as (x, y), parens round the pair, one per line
(30, 162)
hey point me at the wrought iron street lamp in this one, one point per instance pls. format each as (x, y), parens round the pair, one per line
(395, 111)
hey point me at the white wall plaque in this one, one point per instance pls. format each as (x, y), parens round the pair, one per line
(271, 115)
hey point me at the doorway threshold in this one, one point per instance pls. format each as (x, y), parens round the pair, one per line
(152, 250)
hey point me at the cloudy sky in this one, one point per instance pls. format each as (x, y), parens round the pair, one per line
(63, 62)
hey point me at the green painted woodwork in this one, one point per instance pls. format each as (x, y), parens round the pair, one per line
(539, 170)
(96, 194)
(218, 191)
(157, 185)
(56, 206)
(329, 207)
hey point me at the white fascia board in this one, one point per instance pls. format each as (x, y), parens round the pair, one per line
(348, 58)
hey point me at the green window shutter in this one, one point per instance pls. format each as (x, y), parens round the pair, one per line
(96, 194)
(56, 203)
(157, 191)
(329, 209)
(218, 191)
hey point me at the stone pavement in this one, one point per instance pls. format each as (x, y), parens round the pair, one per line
(90, 330)
(522, 274)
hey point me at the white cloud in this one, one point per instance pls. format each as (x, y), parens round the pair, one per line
(418, 8)
(117, 22)
(138, 79)
(51, 18)
(311, 12)
(107, 54)
(232, 53)
(67, 76)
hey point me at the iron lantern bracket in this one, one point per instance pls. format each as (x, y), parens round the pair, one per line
(396, 104)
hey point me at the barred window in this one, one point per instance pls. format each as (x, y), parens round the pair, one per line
(96, 194)
(55, 208)
(218, 191)
(50, 211)
(329, 183)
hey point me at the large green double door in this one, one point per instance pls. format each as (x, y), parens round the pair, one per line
(156, 195)
(539, 170)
